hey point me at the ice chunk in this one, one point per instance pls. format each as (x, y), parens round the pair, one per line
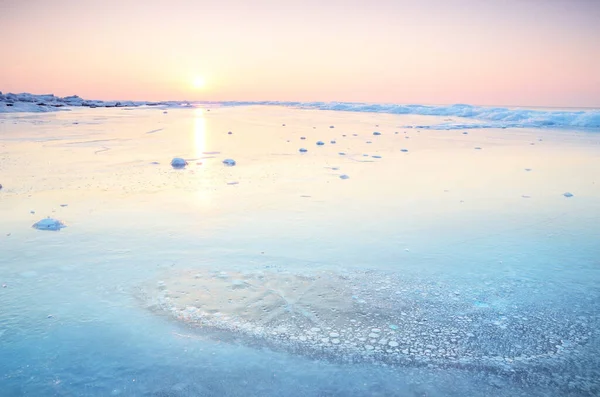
(178, 162)
(302, 150)
(342, 153)
(377, 133)
(567, 194)
(49, 224)
(404, 150)
(302, 137)
(344, 176)
(229, 162)
(320, 143)
(376, 156)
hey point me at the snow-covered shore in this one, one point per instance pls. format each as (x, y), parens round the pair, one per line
(26, 102)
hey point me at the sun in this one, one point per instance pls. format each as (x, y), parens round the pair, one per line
(199, 82)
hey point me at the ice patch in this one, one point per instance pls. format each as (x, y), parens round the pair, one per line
(314, 314)
(178, 162)
(49, 224)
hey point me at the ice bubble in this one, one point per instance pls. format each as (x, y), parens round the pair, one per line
(465, 133)
(178, 162)
(302, 137)
(344, 176)
(567, 194)
(369, 142)
(229, 162)
(0, 186)
(331, 126)
(377, 133)
(229, 133)
(49, 224)
(332, 142)
(527, 169)
(320, 143)
(302, 150)
(477, 148)
(342, 153)
(404, 150)
(376, 157)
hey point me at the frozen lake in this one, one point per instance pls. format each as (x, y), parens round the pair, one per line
(413, 262)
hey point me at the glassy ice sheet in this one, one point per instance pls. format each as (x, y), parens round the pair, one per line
(388, 261)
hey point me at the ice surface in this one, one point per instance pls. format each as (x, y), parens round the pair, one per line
(484, 292)
(49, 224)
(348, 315)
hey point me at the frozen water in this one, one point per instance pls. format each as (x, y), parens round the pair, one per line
(253, 303)
(178, 162)
(49, 224)
(276, 286)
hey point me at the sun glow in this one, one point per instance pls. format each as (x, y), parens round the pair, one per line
(199, 82)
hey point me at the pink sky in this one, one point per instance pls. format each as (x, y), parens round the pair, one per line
(509, 52)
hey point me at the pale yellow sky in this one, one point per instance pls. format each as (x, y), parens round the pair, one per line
(527, 52)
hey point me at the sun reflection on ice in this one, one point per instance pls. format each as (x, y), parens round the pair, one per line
(199, 133)
(203, 191)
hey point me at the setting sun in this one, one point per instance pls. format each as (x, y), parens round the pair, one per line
(199, 82)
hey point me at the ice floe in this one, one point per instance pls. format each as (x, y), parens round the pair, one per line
(178, 162)
(49, 224)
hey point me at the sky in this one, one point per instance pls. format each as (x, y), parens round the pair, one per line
(482, 52)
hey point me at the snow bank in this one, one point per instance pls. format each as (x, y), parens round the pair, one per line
(486, 117)
(25, 102)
